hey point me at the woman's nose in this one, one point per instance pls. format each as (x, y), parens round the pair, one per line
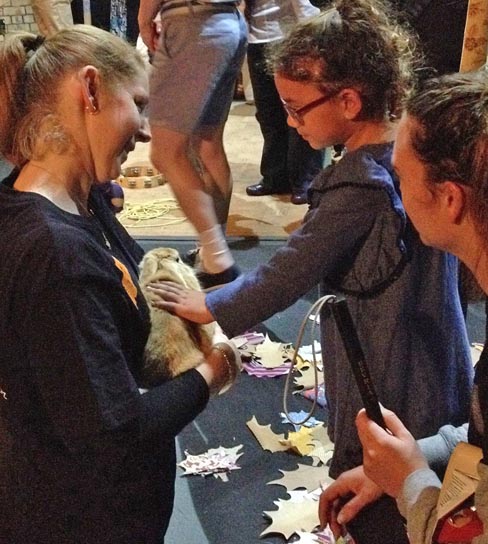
(144, 133)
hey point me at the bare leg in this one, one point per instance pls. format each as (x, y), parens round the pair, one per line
(215, 170)
(170, 154)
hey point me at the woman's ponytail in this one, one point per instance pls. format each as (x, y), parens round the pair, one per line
(15, 52)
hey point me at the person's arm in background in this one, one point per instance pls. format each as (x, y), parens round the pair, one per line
(148, 10)
(438, 448)
(52, 15)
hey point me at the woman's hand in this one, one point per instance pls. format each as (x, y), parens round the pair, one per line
(388, 457)
(344, 498)
(186, 303)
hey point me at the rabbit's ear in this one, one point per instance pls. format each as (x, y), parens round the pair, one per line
(149, 265)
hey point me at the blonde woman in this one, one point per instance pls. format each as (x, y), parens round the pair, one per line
(84, 457)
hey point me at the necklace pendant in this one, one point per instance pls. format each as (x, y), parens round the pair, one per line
(107, 243)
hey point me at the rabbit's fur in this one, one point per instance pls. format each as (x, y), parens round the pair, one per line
(174, 344)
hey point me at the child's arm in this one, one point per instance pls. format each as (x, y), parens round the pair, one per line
(322, 250)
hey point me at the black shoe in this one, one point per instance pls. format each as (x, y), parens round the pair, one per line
(259, 189)
(212, 281)
(299, 198)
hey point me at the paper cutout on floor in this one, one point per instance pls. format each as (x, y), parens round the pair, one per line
(265, 436)
(214, 461)
(323, 447)
(299, 495)
(305, 476)
(254, 368)
(261, 357)
(310, 394)
(299, 416)
(246, 343)
(306, 377)
(323, 537)
(300, 441)
(306, 538)
(300, 362)
(306, 352)
(272, 354)
(292, 517)
(320, 454)
(319, 433)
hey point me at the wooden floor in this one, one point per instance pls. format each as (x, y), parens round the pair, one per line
(267, 216)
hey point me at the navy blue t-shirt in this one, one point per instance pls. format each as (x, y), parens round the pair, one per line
(88, 458)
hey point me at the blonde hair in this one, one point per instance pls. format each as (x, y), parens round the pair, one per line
(30, 77)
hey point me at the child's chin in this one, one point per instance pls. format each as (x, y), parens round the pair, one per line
(314, 144)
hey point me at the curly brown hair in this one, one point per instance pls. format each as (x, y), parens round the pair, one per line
(357, 44)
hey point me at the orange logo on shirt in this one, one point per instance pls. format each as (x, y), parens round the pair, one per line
(127, 282)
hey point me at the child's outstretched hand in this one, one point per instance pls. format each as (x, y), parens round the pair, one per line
(388, 457)
(186, 303)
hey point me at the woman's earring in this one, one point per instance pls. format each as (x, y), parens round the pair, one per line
(92, 108)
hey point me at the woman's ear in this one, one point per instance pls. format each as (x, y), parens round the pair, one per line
(454, 197)
(90, 88)
(352, 103)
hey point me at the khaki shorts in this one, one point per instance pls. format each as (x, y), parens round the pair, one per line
(195, 67)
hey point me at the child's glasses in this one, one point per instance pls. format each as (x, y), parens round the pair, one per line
(297, 114)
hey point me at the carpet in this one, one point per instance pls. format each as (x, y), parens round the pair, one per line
(209, 510)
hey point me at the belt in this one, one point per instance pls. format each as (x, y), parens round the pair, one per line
(185, 7)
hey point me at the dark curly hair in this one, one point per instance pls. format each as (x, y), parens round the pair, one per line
(355, 43)
(452, 135)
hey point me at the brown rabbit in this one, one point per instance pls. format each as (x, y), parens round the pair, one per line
(174, 344)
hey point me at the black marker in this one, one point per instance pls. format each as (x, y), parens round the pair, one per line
(355, 354)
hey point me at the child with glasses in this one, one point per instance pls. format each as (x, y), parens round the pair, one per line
(341, 77)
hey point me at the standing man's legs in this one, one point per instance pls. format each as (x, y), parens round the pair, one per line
(288, 163)
(304, 163)
(272, 121)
